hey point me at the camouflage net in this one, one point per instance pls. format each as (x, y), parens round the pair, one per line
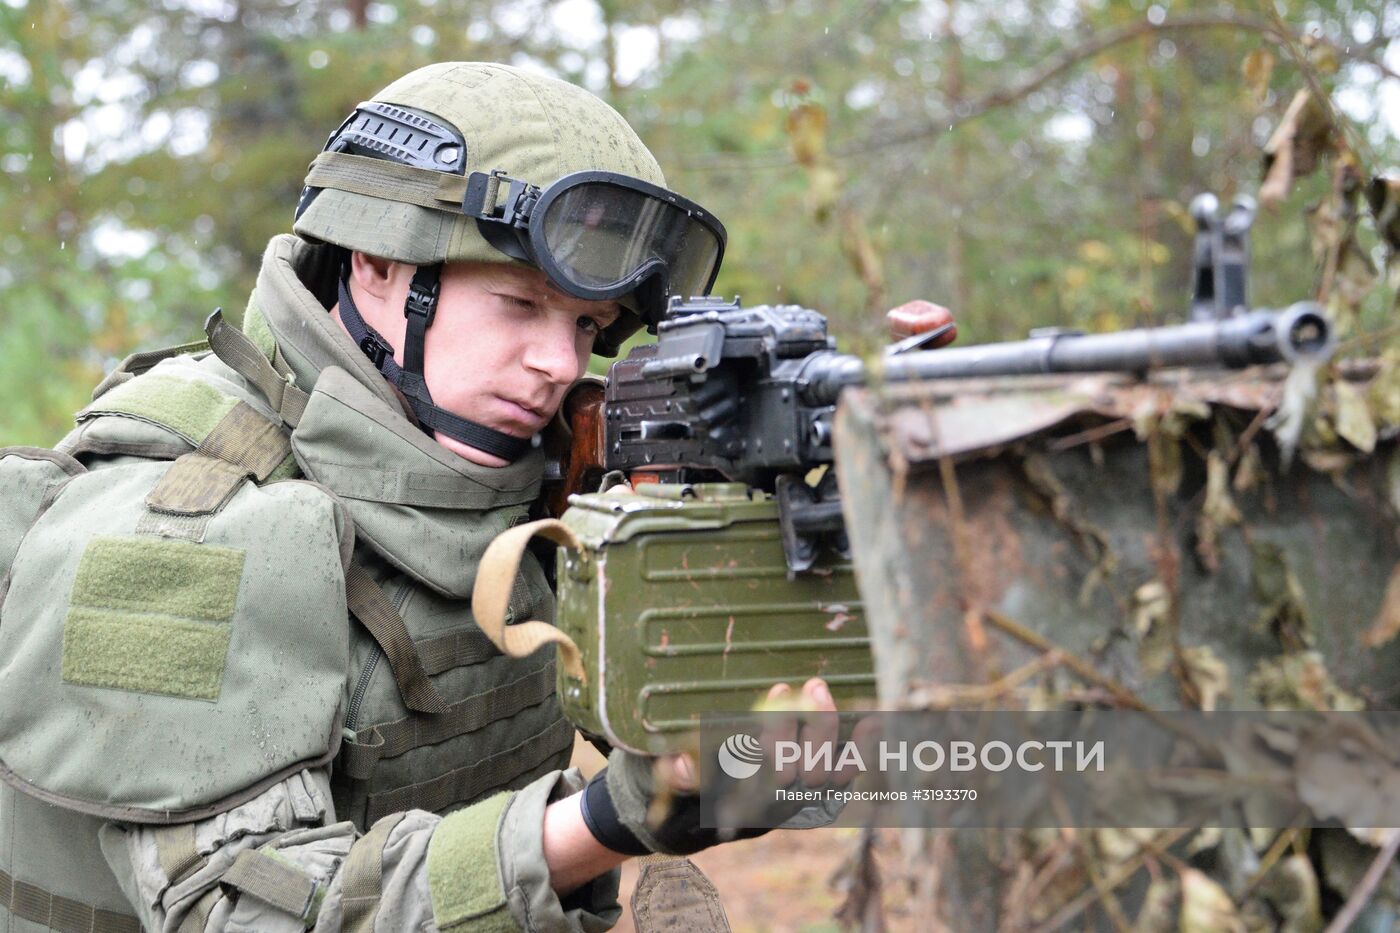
(1205, 541)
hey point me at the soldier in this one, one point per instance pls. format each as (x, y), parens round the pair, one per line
(191, 738)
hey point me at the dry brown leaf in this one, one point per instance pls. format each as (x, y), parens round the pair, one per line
(1324, 229)
(1383, 195)
(1092, 541)
(1164, 463)
(1204, 841)
(1159, 906)
(1387, 624)
(1383, 396)
(1356, 274)
(1345, 861)
(1299, 681)
(806, 129)
(1278, 178)
(1153, 627)
(1294, 410)
(858, 877)
(1249, 471)
(860, 249)
(1218, 512)
(1277, 589)
(1257, 68)
(823, 191)
(1323, 57)
(1334, 463)
(1354, 423)
(1292, 889)
(1376, 836)
(1262, 837)
(1205, 677)
(1116, 847)
(1205, 907)
(1302, 138)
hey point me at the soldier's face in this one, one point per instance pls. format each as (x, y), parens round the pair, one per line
(504, 347)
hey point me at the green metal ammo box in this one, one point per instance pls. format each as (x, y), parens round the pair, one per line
(701, 615)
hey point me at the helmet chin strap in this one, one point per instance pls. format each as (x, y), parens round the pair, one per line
(419, 310)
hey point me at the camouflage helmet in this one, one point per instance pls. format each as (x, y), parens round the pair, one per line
(465, 161)
(534, 127)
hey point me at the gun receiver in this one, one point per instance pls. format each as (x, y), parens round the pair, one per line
(720, 391)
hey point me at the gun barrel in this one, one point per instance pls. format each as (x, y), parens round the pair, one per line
(825, 374)
(1300, 333)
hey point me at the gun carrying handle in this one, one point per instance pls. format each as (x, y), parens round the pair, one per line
(495, 579)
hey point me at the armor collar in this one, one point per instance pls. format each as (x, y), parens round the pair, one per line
(420, 506)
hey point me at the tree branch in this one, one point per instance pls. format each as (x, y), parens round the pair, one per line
(1064, 62)
(1057, 66)
(1344, 128)
(1363, 892)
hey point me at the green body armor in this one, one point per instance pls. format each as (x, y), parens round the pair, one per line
(174, 635)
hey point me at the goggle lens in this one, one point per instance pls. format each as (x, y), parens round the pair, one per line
(601, 235)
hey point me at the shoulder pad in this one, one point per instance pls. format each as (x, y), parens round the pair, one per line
(161, 667)
(164, 411)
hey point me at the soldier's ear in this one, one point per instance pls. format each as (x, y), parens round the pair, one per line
(380, 278)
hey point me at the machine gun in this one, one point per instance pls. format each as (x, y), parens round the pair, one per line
(722, 570)
(748, 395)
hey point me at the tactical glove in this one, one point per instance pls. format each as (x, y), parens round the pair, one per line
(617, 801)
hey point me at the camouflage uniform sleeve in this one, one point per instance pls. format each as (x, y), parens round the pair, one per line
(274, 864)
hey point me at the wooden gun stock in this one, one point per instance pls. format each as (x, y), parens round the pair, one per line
(579, 454)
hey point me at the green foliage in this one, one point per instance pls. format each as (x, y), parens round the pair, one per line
(1000, 161)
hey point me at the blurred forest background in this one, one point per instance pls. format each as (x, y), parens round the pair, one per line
(1023, 162)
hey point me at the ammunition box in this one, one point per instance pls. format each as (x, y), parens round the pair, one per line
(701, 616)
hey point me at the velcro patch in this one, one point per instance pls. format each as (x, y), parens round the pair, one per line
(190, 409)
(152, 616)
(464, 875)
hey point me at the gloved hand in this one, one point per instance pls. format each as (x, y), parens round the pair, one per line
(619, 802)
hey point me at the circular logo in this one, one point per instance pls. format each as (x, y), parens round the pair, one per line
(740, 756)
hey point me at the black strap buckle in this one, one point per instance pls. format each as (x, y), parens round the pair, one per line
(422, 301)
(376, 349)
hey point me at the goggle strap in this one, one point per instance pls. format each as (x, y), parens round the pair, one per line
(379, 178)
(479, 200)
(482, 199)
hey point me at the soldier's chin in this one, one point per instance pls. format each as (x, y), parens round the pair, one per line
(469, 453)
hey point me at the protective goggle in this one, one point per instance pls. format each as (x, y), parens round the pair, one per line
(602, 235)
